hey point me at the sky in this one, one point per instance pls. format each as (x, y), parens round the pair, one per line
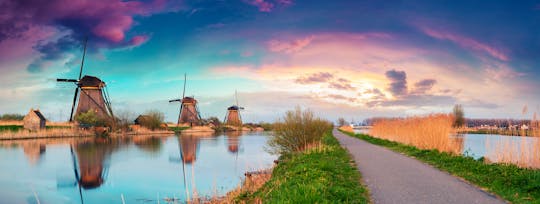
(351, 59)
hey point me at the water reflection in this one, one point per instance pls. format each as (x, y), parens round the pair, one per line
(149, 144)
(233, 138)
(33, 151)
(90, 170)
(92, 159)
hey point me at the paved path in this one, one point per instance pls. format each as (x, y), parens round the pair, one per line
(395, 178)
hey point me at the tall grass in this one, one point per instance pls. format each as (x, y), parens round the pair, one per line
(523, 152)
(425, 132)
(298, 130)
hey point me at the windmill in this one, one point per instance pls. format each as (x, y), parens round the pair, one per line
(91, 93)
(233, 113)
(189, 111)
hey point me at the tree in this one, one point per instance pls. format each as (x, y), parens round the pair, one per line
(9, 116)
(152, 120)
(341, 122)
(459, 116)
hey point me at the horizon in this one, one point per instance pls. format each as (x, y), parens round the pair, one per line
(349, 59)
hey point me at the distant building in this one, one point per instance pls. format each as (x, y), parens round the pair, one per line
(34, 120)
(141, 119)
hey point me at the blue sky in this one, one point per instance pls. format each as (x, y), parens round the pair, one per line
(352, 59)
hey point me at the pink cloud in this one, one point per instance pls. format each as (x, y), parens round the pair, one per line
(289, 47)
(466, 42)
(264, 6)
(104, 22)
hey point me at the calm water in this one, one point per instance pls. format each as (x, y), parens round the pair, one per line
(490, 146)
(140, 169)
(486, 145)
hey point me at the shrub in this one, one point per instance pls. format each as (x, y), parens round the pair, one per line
(11, 116)
(298, 130)
(90, 119)
(152, 120)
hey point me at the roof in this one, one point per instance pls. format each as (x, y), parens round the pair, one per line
(188, 99)
(235, 107)
(91, 81)
(141, 117)
(38, 113)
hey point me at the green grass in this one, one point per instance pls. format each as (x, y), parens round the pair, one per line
(177, 129)
(515, 184)
(323, 175)
(13, 128)
(57, 127)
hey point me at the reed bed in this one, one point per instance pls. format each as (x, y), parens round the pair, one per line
(45, 133)
(425, 132)
(523, 152)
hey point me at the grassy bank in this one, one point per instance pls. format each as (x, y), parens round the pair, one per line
(321, 174)
(515, 184)
(15, 128)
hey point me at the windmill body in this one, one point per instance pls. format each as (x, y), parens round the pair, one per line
(92, 97)
(189, 114)
(233, 116)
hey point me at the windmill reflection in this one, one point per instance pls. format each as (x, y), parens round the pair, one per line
(233, 138)
(92, 158)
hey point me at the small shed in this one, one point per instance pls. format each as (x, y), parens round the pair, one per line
(141, 119)
(34, 120)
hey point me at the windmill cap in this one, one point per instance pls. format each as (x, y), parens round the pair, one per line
(91, 81)
(188, 99)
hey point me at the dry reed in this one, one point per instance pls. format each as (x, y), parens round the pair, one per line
(523, 152)
(425, 132)
(45, 133)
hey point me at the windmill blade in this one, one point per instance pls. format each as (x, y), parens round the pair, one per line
(73, 105)
(185, 79)
(66, 80)
(84, 54)
(175, 100)
(236, 97)
(241, 108)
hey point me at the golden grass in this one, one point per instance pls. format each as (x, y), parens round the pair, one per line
(425, 132)
(521, 152)
(45, 133)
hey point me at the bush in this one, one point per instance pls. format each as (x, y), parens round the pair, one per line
(11, 117)
(298, 130)
(152, 120)
(90, 119)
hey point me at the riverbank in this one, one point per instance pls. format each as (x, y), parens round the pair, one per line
(322, 174)
(512, 183)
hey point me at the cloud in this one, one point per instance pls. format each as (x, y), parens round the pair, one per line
(289, 47)
(466, 42)
(341, 84)
(420, 100)
(104, 22)
(314, 78)
(423, 86)
(398, 82)
(264, 6)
